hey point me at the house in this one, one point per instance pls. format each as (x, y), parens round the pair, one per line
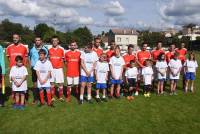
(123, 37)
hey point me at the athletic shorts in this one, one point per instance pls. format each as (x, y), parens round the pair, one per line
(57, 76)
(34, 75)
(20, 92)
(131, 82)
(189, 76)
(101, 86)
(162, 80)
(116, 82)
(87, 79)
(147, 88)
(72, 81)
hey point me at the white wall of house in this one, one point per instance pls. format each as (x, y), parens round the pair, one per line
(125, 40)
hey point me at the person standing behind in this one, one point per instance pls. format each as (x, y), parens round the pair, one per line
(34, 57)
(2, 74)
(190, 68)
(18, 76)
(182, 51)
(72, 59)
(170, 54)
(156, 52)
(97, 48)
(111, 52)
(116, 67)
(56, 57)
(88, 63)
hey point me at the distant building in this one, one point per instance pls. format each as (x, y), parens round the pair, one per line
(104, 39)
(170, 31)
(192, 31)
(123, 37)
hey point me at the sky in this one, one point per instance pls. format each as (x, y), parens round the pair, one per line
(102, 15)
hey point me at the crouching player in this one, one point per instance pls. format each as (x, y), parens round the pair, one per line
(116, 67)
(72, 58)
(190, 68)
(147, 74)
(43, 69)
(89, 59)
(101, 73)
(18, 75)
(131, 75)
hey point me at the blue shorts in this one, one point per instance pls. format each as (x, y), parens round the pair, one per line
(189, 76)
(101, 86)
(87, 79)
(116, 81)
(44, 88)
(162, 80)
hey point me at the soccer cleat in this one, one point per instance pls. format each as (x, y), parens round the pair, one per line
(61, 99)
(80, 102)
(171, 93)
(148, 95)
(110, 97)
(136, 93)
(132, 98)
(128, 98)
(21, 107)
(145, 95)
(53, 99)
(98, 100)
(175, 93)
(51, 105)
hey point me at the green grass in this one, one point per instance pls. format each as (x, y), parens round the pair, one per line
(158, 114)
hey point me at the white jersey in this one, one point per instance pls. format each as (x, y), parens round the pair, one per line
(18, 73)
(117, 64)
(161, 67)
(147, 73)
(89, 60)
(191, 66)
(175, 66)
(102, 69)
(131, 72)
(43, 68)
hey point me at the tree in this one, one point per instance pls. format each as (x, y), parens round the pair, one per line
(42, 29)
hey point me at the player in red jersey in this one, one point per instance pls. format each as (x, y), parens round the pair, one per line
(56, 57)
(96, 48)
(182, 51)
(141, 56)
(157, 51)
(72, 59)
(16, 48)
(111, 52)
(170, 53)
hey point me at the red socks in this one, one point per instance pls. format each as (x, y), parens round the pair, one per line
(42, 97)
(48, 97)
(60, 92)
(53, 91)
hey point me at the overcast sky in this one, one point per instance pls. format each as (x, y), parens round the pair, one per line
(102, 14)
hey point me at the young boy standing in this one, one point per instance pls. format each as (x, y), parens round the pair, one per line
(18, 75)
(101, 73)
(147, 73)
(89, 59)
(116, 67)
(44, 69)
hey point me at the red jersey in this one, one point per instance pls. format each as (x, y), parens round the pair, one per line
(142, 56)
(155, 53)
(182, 53)
(128, 58)
(56, 56)
(110, 53)
(14, 50)
(99, 51)
(169, 55)
(72, 59)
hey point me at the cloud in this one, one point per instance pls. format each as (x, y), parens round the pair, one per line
(181, 12)
(114, 8)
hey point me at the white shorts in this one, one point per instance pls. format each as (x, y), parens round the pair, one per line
(57, 76)
(72, 81)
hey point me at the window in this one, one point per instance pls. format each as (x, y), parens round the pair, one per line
(118, 39)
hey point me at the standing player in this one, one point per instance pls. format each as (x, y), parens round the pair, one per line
(182, 51)
(141, 56)
(116, 67)
(111, 52)
(34, 57)
(175, 66)
(170, 54)
(56, 57)
(43, 69)
(156, 52)
(72, 58)
(14, 49)
(88, 63)
(2, 74)
(96, 48)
